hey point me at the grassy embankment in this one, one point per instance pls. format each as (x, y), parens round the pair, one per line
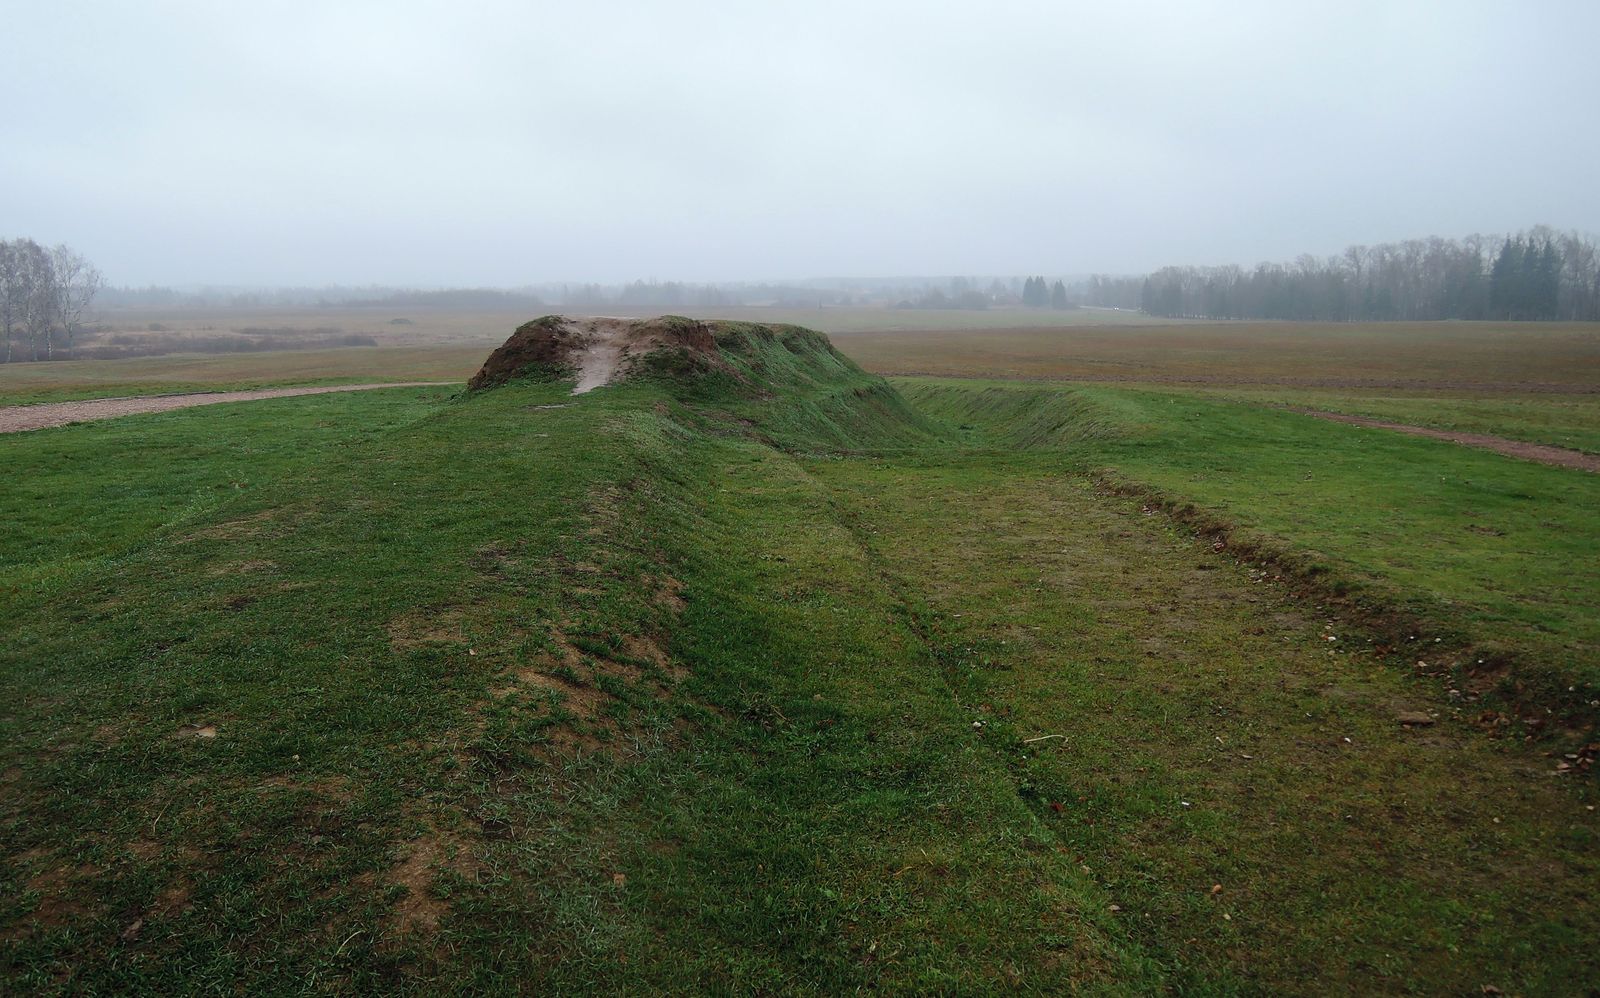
(679, 684)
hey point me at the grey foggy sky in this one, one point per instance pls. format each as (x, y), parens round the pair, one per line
(431, 144)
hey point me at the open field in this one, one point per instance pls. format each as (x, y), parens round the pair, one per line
(809, 682)
(1367, 360)
(77, 379)
(1515, 357)
(409, 345)
(168, 331)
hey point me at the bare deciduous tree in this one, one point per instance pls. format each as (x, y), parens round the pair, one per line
(77, 281)
(43, 293)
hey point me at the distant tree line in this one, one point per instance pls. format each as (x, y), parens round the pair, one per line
(1535, 275)
(485, 299)
(1037, 294)
(45, 296)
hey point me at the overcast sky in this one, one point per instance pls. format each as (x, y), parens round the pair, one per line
(468, 142)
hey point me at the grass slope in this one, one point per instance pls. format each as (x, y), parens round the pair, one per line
(1552, 419)
(713, 683)
(1474, 544)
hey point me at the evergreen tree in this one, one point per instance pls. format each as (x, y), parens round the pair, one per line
(1549, 282)
(1504, 279)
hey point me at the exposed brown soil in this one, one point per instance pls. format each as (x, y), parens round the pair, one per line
(17, 418)
(598, 350)
(428, 625)
(1559, 456)
(420, 910)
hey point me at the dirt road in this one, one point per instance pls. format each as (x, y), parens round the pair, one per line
(1560, 456)
(17, 418)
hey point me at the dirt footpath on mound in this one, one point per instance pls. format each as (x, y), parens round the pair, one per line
(17, 418)
(1559, 456)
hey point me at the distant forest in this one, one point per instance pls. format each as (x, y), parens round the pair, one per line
(1535, 275)
(1538, 274)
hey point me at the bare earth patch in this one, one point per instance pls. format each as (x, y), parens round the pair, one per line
(598, 349)
(432, 853)
(1559, 456)
(18, 418)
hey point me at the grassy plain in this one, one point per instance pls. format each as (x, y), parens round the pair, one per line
(818, 687)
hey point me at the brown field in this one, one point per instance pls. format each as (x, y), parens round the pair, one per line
(1439, 355)
(1083, 345)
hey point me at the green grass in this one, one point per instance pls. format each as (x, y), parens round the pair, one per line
(80, 497)
(709, 684)
(1472, 542)
(1556, 420)
(1236, 784)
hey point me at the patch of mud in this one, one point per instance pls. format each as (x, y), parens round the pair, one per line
(598, 350)
(436, 851)
(578, 673)
(669, 593)
(20, 418)
(188, 732)
(439, 625)
(1558, 456)
(60, 891)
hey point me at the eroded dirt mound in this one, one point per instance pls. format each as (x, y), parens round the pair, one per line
(597, 351)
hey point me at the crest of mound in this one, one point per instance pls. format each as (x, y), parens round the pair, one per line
(597, 350)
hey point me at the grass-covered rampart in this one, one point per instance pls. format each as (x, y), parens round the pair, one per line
(769, 678)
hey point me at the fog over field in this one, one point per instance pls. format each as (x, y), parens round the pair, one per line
(435, 144)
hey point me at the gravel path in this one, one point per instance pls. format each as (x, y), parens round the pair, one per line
(17, 418)
(1500, 445)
